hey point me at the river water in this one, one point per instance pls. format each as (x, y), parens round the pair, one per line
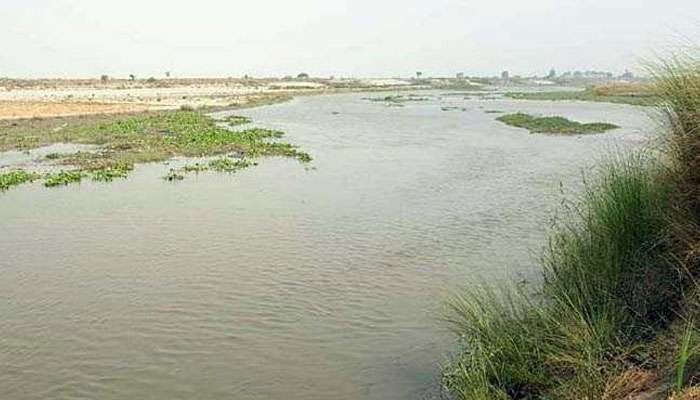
(282, 281)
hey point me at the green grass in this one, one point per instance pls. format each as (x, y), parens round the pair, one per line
(612, 316)
(557, 125)
(688, 349)
(637, 99)
(15, 178)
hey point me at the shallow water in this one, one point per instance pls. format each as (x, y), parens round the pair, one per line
(286, 282)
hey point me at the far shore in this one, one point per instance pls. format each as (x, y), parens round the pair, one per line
(44, 98)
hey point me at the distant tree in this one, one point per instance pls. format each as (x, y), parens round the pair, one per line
(132, 77)
(104, 78)
(552, 74)
(419, 75)
(303, 75)
(505, 75)
(151, 80)
(167, 74)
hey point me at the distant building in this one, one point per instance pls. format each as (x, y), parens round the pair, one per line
(627, 75)
(505, 75)
(460, 75)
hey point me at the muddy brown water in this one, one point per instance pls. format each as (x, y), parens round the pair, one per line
(285, 282)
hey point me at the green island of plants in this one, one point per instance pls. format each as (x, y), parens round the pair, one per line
(129, 140)
(557, 125)
(615, 314)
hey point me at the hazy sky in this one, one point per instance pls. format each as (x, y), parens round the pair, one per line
(333, 37)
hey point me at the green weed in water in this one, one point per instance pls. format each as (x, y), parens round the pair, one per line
(196, 168)
(63, 178)
(235, 120)
(151, 137)
(228, 165)
(559, 125)
(14, 178)
(108, 174)
(173, 176)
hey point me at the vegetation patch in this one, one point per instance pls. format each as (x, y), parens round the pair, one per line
(112, 172)
(559, 125)
(16, 177)
(235, 120)
(174, 176)
(151, 137)
(638, 95)
(228, 165)
(196, 168)
(63, 178)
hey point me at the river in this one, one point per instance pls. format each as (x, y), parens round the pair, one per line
(284, 281)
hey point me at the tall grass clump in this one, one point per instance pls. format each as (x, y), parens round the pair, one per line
(679, 86)
(606, 282)
(619, 277)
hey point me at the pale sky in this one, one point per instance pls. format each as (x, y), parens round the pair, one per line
(379, 38)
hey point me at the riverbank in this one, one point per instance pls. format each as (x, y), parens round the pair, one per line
(615, 317)
(632, 94)
(44, 98)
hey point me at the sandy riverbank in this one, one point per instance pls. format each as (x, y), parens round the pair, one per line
(68, 97)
